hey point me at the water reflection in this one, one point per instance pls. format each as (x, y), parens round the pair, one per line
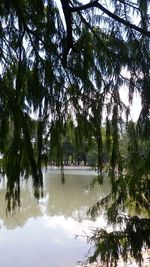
(42, 234)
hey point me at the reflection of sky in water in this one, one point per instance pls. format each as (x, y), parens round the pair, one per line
(46, 241)
(44, 234)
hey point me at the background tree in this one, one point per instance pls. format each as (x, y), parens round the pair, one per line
(53, 68)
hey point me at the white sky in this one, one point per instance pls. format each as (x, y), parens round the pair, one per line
(136, 104)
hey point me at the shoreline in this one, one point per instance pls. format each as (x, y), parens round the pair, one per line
(69, 167)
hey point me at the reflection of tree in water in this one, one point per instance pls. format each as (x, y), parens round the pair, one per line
(75, 197)
(71, 200)
(29, 209)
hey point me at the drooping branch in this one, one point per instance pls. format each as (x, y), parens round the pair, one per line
(132, 5)
(69, 8)
(112, 15)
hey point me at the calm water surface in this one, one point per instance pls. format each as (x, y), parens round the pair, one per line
(43, 234)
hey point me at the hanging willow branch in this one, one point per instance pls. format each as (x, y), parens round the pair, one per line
(69, 8)
(112, 15)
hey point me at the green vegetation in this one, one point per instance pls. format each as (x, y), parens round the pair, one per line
(52, 70)
(79, 150)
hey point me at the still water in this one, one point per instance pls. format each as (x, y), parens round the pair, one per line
(51, 232)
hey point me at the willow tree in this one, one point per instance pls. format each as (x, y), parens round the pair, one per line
(51, 68)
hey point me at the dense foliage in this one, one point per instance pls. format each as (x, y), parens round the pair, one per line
(53, 68)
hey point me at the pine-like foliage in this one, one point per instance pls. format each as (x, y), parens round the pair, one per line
(53, 68)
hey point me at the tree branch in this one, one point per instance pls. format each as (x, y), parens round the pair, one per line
(131, 5)
(112, 15)
(69, 38)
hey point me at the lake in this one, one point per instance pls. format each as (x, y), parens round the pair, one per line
(51, 232)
